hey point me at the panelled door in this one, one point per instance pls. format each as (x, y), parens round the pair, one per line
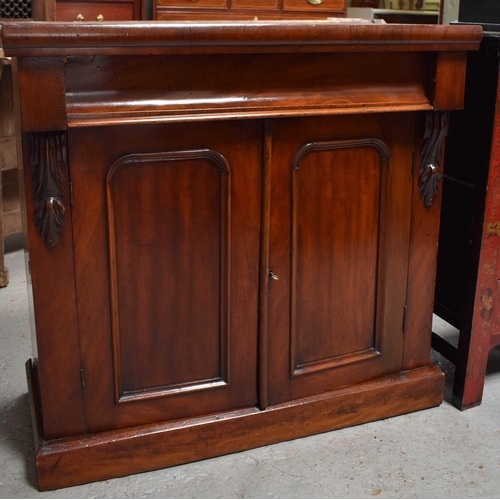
(339, 230)
(167, 233)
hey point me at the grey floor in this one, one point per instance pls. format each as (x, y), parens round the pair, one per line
(437, 453)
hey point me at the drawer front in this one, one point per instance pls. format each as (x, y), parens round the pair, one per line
(255, 4)
(92, 11)
(193, 4)
(237, 15)
(325, 5)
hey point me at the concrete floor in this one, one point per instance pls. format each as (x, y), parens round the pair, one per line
(437, 453)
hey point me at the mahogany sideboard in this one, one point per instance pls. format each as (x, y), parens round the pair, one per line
(232, 232)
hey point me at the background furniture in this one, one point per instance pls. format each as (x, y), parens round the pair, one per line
(15, 9)
(166, 10)
(396, 16)
(468, 272)
(89, 10)
(118, 10)
(484, 12)
(466, 291)
(237, 251)
(10, 207)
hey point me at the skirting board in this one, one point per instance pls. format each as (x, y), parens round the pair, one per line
(121, 452)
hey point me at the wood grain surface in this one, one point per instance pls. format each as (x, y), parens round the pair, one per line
(105, 455)
(136, 38)
(244, 256)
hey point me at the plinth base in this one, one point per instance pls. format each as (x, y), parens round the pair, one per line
(110, 454)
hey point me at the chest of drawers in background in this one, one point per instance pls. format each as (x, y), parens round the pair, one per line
(165, 10)
(88, 10)
(120, 10)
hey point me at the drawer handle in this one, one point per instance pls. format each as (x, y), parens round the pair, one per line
(100, 17)
(80, 17)
(315, 2)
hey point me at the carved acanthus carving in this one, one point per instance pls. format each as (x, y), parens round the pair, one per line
(436, 129)
(48, 158)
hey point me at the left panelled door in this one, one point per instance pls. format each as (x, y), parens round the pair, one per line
(166, 224)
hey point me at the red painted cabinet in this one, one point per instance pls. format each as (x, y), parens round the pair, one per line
(467, 293)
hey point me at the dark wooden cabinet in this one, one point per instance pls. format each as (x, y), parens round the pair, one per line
(485, 12)
(232, 230)
(467, 278)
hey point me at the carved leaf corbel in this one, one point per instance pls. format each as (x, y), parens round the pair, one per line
(48, 158)
(430, 174)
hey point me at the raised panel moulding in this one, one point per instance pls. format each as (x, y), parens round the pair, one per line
(298, 367)
(123, 393)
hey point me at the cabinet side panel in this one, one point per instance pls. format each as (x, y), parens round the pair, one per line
(52, 274)
(42, 94)
(422, 270)
(450, 80)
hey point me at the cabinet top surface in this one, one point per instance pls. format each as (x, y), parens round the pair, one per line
(33, 39)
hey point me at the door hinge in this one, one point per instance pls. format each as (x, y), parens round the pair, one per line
(405, 318)
(82, 378)
(71, 195)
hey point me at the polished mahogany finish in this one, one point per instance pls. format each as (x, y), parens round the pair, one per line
(103, 455)
(179, 225)
(337, 312)
(248, 243)
(235, 37)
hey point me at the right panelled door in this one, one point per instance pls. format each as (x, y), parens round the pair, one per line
(339, 233)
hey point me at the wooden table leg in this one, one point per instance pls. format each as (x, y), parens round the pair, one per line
(4, 272)
(470, 371)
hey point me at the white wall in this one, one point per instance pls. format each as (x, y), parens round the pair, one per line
(450, 11)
